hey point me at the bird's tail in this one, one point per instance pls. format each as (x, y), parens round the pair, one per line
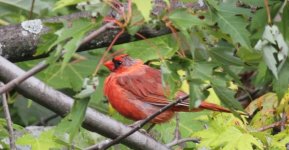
(213, 107)
(204, 105)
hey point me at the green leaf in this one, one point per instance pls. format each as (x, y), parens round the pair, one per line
(280, 85)
(225, 94)
(222, 133)
(62, 3)
(253, 2)
(233, 72)
(136, 20)
(197, 95)
(95, 7)
(83, 140)
(72, 122)
(45, 141)
(70, 49)
(194, 42)
(203, 70)
(225, 56)
(170, 78)
(69, 38)
(79, 26)
(257, 3)
(144, 7)
(47, 41)
(249, 56)
(283, 26)
(153, 48)
(262, 76)
(235, 27)
(72, 75)
(25, 5)
(88, 88)
(232, 8)
(279, 140)
(183, 20)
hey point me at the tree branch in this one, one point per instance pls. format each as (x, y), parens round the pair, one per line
(8, 120)
(27, 39)
(60, 103)
(180, 141)
(276, 124)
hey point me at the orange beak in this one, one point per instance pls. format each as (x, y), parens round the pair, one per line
(109, 65)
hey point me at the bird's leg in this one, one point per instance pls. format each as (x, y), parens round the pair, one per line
(135, 124)
(150, 127)
(178, 135)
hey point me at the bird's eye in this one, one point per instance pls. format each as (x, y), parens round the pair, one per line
(118, 62)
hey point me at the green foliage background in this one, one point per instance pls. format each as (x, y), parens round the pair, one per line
(208, 48)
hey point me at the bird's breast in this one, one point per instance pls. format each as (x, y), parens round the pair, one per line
(123, 101)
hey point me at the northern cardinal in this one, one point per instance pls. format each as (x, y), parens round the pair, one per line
(135, 90)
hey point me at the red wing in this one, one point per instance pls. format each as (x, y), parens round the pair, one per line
(146, 84)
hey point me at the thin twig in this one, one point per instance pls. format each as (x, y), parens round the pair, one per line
(268, 12)
(99, 145)
(95, 33)
(31, 9)
(283, 120)
(136, 128)
(6, 88)
(276, 124)
(43, 64)
(180, 141)
(106, 51)
(177, 129)
(8, 120)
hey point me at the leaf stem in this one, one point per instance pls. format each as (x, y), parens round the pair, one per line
(268, 12)
(106, 51)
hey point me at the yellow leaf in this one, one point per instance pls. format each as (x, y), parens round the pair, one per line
(144, 6)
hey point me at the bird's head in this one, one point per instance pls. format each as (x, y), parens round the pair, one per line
(119, 63)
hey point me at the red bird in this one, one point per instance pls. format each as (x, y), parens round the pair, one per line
(135, 90)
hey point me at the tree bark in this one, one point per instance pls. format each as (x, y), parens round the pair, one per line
(19, 42)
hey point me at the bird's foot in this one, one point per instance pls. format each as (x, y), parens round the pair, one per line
(146, 132)
(135, 124)
(177, 135)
